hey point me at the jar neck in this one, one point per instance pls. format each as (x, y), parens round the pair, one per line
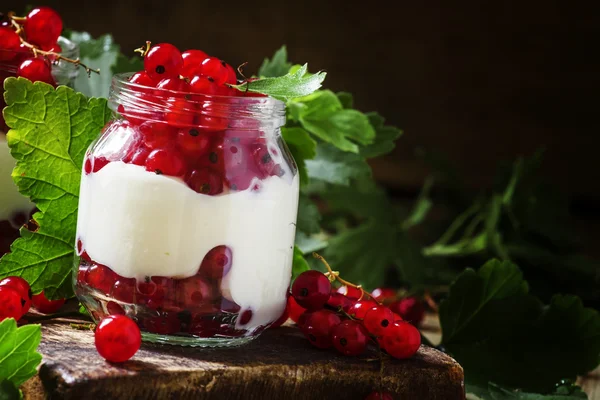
(192, 110)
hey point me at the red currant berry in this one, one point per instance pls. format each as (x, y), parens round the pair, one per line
(166, 324)
(213, 124)
(157, 134)
(203, 84)
(45, 306)
(378, 319)
(205, 181)
(338, 300)
(360, 308)
(36, 69)
(114, 308)
(181, 113)
(379, 396)
(194, 291)
(242, 180)
(124, 290)
(384, 295)
(43, 26)
(99, 163)
(350, 338)
(318, 325)
(350, 292)
(11, 303)
(174, 84)
(411, 309)
(216, 68)
(117, 338)
(401, 340)
(191, 142)
(9, 44)
(311, 289)
(142, 79)
(22, 287)
(217, 262)
(245, 317)
(235, 157)
(281, 320)
(163, 61)
(295, 311)
(140, 156)
(166, 162)
(263, 160)
(101, 277)
(192, 60)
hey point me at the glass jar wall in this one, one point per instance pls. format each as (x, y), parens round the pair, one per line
(187, 215)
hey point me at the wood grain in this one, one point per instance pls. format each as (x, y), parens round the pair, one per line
(279, 365)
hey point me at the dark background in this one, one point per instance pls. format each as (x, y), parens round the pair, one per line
(478, 81)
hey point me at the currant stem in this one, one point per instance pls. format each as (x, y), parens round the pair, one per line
(144, 49)
(335, 276)
(240, 69)
(36, 50)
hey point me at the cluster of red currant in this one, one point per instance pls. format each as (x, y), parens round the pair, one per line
(189, 137)
(345, 319)
(29, 44)
(16, 299)
(167, 306)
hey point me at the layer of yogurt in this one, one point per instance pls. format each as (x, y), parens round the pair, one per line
(142, 224)
(11, 201)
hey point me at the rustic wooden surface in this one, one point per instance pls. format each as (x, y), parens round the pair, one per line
(279, 365)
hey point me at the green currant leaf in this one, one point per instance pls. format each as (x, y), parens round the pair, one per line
(385, 137)
(277, 66)
(346, 99)
(8, 391)
(309, 243)
(51, 130)
(323, 115)
(308, 215)
(501, 333)
(18, 351)
(335, 166)
(289, 86)
(302, 147)
(364, 254)
(299, 264)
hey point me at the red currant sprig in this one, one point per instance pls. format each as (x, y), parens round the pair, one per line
(37, 32)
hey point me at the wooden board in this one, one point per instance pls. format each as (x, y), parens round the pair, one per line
(281, 364)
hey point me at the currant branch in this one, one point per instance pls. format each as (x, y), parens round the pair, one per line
(52, 55)
(335, 276)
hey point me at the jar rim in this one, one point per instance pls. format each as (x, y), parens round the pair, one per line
(147, 102)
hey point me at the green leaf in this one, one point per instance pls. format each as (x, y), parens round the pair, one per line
(496, 392)
(299, 264)
(51, 130)
(364, 254)
(302, 147)
(309, 243)
(500, 333)
(101, 53)
(308, 215)
(322, 115)
(127, 64)
(277, 66)
(335, 166)
(421, 207)
(385, 137)
(285, 87)
(346, 99)
(18, 351)
(8, 391)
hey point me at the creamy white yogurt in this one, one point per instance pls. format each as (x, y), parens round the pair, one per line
(11, 201)
(142, 224)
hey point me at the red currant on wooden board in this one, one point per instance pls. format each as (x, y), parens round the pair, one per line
(117, 338)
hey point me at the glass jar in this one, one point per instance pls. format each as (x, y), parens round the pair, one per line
(16, 209)
(187, 215)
